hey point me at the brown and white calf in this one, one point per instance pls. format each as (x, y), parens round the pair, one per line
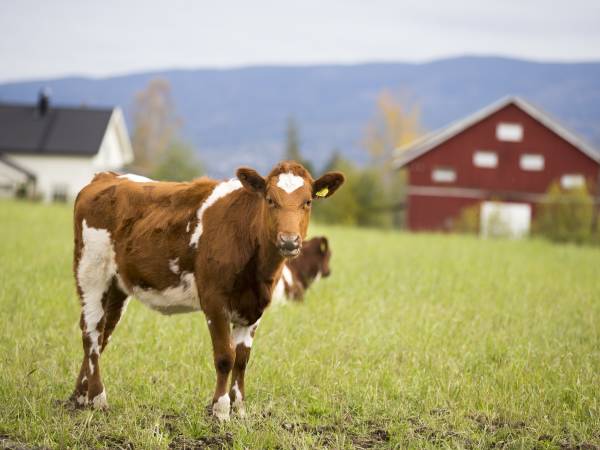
(215, 247)
(299, 273)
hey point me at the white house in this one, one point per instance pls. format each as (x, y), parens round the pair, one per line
(55, 151)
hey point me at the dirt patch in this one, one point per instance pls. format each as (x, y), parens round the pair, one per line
(6, 443)
(205, 442)
(438, 436)
(69, 405)
(488, 424)
(565, 445)
(169, 420)
(116, 442)
(374, 438)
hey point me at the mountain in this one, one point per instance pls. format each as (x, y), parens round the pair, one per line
(238, 116)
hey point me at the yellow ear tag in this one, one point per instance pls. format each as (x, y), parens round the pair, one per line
(323, 192)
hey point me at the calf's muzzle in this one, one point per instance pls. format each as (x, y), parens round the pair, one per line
(289, 244)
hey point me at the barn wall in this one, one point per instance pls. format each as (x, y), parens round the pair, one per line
(435, 212)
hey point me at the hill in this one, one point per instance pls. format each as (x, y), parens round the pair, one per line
(237, 116)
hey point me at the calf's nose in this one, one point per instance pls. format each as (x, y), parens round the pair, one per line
(288, 241)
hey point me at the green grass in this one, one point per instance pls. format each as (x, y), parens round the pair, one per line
(415, 341)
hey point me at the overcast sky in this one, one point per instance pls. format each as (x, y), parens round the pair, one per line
(99, 38)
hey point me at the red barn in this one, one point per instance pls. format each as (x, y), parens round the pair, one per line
(503, 157)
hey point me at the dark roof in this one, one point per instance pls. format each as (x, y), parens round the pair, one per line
(60, 131)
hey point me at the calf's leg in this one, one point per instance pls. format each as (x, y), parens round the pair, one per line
(98, 320)
(242, 338)
(224, 356)
(79, 395)
(115, 307)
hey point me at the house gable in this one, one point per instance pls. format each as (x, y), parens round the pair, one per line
(414, 150)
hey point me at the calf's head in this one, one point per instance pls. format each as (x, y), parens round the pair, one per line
(286, 195)
(313, 261)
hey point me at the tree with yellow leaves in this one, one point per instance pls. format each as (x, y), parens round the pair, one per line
(155, 125)
(393, 126)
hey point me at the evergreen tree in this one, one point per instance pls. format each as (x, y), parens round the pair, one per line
(292, 146)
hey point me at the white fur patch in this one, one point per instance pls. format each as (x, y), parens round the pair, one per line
(136, 178)
(290, 182)
(279, 292)
(99, 401)
(243, 335)
(81, 400)
(318, 277)
(174, 265)
(221, 407)
(96, 268)
(238, 402)
(287, 275)
(221, 190)
(172, 300)
(286, 279)
(187, 228)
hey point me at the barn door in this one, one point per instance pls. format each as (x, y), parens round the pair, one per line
(503, 219)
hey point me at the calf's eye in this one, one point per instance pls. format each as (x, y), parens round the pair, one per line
(270, 202)
(307, 203)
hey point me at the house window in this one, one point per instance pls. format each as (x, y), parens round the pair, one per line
(509, 132)
(572, 180)
(443, 175)
(530, 161)
(59, 192)
(485, 159)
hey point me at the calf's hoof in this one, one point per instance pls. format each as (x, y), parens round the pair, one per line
(78, 400)
(240, 408)
(99, 401)
(220, 408)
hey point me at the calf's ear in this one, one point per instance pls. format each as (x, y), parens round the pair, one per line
(327, 184)
(324, 245)
(251, 180)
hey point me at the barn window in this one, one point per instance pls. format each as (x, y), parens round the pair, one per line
(443, 175)
(485, 159)
(572, 181)
(509, 132)
(530, 161)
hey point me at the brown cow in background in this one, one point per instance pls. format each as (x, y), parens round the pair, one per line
(299, 273)
(218, 247)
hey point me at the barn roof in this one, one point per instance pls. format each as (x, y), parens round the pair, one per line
(412, 151)
(59, 131)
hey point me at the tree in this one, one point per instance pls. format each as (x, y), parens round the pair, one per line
(360, 201)
(178, 163)
(392, 126)
(155, 125)
(567, 215)
(292, 146)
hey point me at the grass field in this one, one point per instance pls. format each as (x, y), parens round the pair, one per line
(416, 341)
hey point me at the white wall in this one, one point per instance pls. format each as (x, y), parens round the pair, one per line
(55, 171)
(115, 149)
(10, 179)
